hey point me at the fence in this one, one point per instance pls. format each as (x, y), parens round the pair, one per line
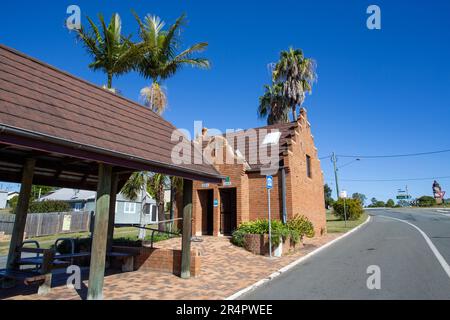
(44, 224)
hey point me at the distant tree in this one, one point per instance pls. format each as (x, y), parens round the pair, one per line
(352, 209)
(373, 201)
(39, 191)
(426, 201)
(361, 197)
(328, 199)
(390, 203)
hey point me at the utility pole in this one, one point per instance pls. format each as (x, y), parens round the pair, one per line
(333, 158)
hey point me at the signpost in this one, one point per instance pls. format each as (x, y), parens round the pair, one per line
(269, 185)
(343, 195)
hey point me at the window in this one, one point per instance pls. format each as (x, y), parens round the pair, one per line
(129, 207)
(308, 166)
(78, 206)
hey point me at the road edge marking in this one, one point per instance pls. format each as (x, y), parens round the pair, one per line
(296, 262)
(430, 243)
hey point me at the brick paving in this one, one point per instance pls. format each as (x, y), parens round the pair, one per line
(225, 269)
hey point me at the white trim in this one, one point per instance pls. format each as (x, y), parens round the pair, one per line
(435, 251)
(131, 207)
(293, 264)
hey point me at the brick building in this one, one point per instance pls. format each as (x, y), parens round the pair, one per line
(219, 209)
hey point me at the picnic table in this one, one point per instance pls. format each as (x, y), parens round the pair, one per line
(48, 259)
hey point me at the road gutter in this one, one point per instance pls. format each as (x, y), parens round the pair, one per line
(294, 263)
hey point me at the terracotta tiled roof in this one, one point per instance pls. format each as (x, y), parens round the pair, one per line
(40, 99)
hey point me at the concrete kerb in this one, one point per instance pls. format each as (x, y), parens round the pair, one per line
(294, 263)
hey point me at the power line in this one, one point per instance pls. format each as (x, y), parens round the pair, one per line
(393, 180)
(394, 155)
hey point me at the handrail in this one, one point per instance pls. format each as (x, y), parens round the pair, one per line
(38, 252)
(156, 230)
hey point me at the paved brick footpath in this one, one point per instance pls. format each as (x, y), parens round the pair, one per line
(225, 269)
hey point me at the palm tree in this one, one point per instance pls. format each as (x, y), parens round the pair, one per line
(273, 105)
(296, 74)
(158, 57)
(110, 51)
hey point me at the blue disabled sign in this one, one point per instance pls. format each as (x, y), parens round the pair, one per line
(269, 182)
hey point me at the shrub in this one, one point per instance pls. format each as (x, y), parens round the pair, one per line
(49, 206)
(390, 203)
(426, 201)
(353, 209)
(302, 225)
(296, 229)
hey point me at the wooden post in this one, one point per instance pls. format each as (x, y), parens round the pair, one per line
(98, 249)
(187, 230)
(112, 211)
(21, 213)
(46, 271)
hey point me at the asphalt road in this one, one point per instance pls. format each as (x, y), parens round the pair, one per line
(409, 267)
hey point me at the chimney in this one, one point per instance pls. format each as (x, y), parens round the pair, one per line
(204, 132)
(303, 114)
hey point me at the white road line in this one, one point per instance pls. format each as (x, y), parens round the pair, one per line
(296, 262)
(436, 252)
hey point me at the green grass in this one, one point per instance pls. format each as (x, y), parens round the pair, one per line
(46, 242)
(335, 225)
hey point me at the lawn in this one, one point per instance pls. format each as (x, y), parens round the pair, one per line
(335, 225)
(47, 241)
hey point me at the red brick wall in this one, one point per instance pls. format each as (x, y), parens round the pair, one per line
(258, 197)
(305, 196)
(162, 260)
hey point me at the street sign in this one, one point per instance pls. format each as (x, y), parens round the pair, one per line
(343, 194)
(269, 182)
(403, 197)
(269, 185)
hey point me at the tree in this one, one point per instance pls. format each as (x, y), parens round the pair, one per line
(157, 56)
(154, 184)
(349, 208)
(361, 197)
(109, 50)
(296, 74)
(328, 199)
(273, 105)
(39, 191)
(390, 203)
(373, 201)
(426, 201)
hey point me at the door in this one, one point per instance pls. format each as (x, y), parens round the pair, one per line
(206, 201)
(227, 210)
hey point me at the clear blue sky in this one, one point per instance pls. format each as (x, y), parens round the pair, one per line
(379, 92)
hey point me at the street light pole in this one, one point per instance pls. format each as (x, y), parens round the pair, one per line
(333, 158)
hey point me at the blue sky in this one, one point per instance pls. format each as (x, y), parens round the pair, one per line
(379, 91)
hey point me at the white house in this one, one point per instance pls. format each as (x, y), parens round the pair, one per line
(127, 211)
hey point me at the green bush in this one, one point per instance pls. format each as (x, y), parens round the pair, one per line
(49, 206)
(390, 203)
(426, 201)
(296, 229)
(354, 209)
(302, 225)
